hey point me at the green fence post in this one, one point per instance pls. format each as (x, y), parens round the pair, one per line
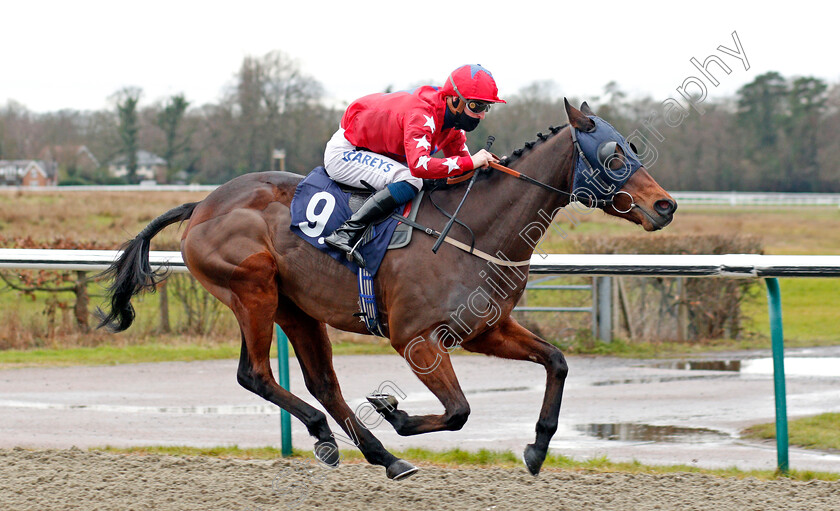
(283, 378)
(774, 302)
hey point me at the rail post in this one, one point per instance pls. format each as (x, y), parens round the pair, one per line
(594, 308)
(774, 302)
(283, 379)
(603, 316)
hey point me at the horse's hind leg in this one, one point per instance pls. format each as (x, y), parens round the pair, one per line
(314, 353)
(254, 302)
(511, 340)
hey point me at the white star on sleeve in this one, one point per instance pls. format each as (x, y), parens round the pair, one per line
(423, 143)
(423, 161)
(451, 163)
(430, 122)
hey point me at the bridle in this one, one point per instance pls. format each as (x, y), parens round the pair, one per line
(591, 202)
(573, 197)
(604, 202)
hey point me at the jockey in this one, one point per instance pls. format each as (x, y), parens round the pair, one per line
(387, 140)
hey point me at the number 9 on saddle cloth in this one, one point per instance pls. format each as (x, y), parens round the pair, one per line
(320, 206)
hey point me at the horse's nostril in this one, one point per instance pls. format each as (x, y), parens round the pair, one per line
(665, 206)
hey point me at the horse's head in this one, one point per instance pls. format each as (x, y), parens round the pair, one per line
(610, 174)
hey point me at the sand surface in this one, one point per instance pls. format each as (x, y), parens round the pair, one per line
(75, 479)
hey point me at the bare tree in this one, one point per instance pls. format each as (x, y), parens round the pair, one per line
(270, 95)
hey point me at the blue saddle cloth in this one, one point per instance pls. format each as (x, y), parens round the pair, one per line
(319, 207)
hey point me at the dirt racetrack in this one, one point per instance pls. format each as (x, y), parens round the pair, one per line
(75, 479)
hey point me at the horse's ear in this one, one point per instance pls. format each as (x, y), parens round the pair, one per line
(584, 107)
(578, 119)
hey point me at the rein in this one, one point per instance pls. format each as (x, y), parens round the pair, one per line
(528, 179)
(472, 174)
(572, 196)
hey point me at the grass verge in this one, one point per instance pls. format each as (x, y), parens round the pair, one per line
(160, 352)
(113, 355)
(481, 458)
(153, 352)
(817, 432)
(809, 311)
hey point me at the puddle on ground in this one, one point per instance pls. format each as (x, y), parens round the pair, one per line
(701, 365)
(794, 366)
(502, 389)
(627, 432)
(650, 379)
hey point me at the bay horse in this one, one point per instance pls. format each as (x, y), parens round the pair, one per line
(238, 245)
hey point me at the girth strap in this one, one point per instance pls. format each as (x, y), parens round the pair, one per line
(367, 303)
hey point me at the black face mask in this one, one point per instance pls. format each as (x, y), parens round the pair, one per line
(461, 121)
(465, 122)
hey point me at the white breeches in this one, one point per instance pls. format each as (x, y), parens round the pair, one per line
(346, 164)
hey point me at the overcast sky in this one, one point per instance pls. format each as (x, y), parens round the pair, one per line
(75, 54)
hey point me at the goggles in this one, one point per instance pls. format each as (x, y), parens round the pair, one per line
(477, 107)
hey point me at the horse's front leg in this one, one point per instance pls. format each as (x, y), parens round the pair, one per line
(511, 340)
(433, 367)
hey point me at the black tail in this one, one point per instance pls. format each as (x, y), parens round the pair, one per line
(132, 272)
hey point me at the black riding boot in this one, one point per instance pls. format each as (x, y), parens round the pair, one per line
(378, 206)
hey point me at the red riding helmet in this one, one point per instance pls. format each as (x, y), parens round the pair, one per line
(471, 81)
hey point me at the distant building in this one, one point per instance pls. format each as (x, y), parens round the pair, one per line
(149, 166)
(27, 173)
(73, 159)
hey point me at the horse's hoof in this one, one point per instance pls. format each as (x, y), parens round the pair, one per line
(533, 459)
(326, 451)
(383, 402)
(400, 469)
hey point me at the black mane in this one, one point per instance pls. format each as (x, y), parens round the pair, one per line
(515, 155)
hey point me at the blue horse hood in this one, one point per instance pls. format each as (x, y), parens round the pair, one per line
(592, 179)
